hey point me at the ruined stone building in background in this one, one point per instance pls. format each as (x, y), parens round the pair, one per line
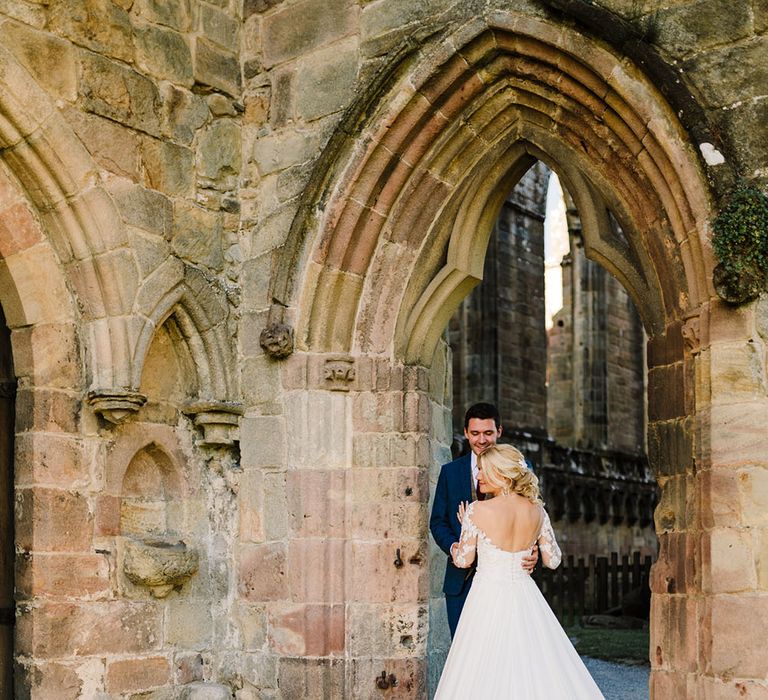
(232, 237)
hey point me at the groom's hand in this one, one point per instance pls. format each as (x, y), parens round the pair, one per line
(529, 561)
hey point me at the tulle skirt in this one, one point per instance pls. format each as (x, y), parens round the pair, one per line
(509, 644)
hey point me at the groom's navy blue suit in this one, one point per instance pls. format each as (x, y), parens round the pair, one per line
(454, 485)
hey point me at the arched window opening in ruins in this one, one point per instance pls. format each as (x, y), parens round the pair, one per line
(555, 341)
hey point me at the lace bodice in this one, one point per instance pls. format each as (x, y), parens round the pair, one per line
(493, 561)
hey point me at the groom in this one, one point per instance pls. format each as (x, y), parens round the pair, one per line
(458, 482)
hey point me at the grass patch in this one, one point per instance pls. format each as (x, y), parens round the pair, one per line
(621, 646)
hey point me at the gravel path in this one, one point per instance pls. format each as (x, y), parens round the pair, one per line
(619, 682)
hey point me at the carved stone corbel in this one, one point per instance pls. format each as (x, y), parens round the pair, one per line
(339, 373)
(115, 405)
(219, 422)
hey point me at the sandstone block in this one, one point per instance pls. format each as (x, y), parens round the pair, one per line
(145, 209)
(720, 498)
(727, 561)
(49, 59)
(53, 460)
(276, 516)
(711, 71)
(132, 675)
(49, 520)
(316, 570)
(251, 7)
(325, 80)
(732, 626)
(675, 569)
(281, 151)
(18, 229)
(392, 630)
(115, 627)
(252, 623)
(218, 154)
(183, 113)
(171, 13)
(216, 68)
(737, 372)
(169, 168)
(374, 578)
(410, 674)
(311, 678)
(753, 487)
(111, 90)
(262, 440)
(22, 275)
(220, 28)
(318, 443)
(207, 691)
(63, 576)
(371, 450)
(262, 572)
(256, 274)
(738, 434)
(189, 625)
(762, 558)
(197, 235)
(299, 28)
(50, 680)
(697, 26)
(307, 629)
(47, 353)
(107, 516)
(102, 26)
(251, 506)
(188, 668)
(164, 54)
(261, 380)
(316, 502)
(283, 95)
(112, 146)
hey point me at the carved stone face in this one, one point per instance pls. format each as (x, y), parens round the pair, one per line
(277, 340)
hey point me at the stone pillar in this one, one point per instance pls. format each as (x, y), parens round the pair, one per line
(334, 566)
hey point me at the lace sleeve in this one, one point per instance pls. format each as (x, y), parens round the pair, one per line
(463, 551)
(550, 551)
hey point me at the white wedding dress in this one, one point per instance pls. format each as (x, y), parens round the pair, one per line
(508, 643)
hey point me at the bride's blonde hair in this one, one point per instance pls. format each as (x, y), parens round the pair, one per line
(504, 467)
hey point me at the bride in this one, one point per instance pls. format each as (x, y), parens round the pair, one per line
(508, 643)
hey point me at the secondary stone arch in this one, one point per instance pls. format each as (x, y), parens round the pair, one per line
(85, 240)
(390, 200)
(201, 311)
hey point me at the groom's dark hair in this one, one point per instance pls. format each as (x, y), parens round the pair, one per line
(482, 411)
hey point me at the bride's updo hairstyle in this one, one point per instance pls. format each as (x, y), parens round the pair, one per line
(504, 468)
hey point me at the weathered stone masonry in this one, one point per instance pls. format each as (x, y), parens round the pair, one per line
(178, 176)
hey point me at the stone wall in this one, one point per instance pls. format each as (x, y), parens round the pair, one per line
(177, 176)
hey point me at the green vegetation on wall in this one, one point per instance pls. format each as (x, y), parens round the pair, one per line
(740, 242)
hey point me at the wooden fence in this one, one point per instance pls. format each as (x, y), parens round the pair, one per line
(597, 585)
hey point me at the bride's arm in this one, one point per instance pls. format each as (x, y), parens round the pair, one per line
(463, 552)
(550, 551)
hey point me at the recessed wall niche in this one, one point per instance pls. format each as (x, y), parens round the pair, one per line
(147, 476)
(170, 374)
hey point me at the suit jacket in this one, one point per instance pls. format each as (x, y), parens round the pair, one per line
(455, 484)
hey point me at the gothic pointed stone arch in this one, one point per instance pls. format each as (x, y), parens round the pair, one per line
(201, 311)
(85, 248)
(453, 130)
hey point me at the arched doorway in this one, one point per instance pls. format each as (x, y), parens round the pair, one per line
(394, 234)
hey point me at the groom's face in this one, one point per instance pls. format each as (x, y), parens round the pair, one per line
(481, 434)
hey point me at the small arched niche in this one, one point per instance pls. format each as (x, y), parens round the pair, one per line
(151, 496)
(147, 479)
(170, 374)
